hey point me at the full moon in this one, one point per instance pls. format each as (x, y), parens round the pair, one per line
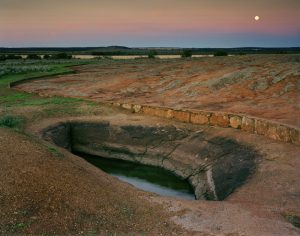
(256, 18)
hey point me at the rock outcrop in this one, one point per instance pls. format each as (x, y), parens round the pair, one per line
(214, 166)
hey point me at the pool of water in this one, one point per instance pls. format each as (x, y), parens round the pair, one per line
(148, 178)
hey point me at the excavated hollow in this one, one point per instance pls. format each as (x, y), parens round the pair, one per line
(214, 166)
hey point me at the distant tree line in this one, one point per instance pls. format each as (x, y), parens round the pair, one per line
(10, 57)
(33, 57)
(36, 56)
(119, 53)
(120, 50)
(220, 54)
(62, 55)
(152, 54)
(186, 53)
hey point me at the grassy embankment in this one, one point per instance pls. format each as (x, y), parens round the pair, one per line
(20, 108)
(17, 108)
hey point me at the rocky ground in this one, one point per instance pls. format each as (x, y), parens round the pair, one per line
(54, 192)
(265, 86)
(42, 193)
(46, 190)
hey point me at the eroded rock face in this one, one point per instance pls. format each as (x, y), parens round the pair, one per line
(262, 86)
(214, 166)
(235, 122)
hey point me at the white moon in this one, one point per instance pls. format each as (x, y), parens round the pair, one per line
(256, 18)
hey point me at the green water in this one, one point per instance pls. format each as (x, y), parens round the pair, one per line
(148, 178)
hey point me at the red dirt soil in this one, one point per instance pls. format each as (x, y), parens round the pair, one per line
(41, 193)
(44, 193)
(264, 86)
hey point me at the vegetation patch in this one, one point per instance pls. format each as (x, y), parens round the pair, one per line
(33, 57)
(186, 53)
(220, 54)
(54, 151)
(50, 101)
(62, 55)
(10, 121)
(152, 54)
(293, 219)
(14, 98)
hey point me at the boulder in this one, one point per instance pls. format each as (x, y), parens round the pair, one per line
(219, 119)
(248, 124)
(201, 118)
(236, 122)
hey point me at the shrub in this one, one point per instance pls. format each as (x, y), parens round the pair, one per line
(55, 151)
(152, 54)
(108, 57)
(220, 54)
(186, 53)
(293, 219)
(23, 68)
(2, 57)
(46, 56)
(10, 121)
(62, 55)
(13, 57)
(33, 57)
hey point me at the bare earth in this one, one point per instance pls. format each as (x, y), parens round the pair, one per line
(45, 193)
(264, 86)
(66, 195)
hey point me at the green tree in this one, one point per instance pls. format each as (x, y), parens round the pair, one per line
(62, 55)
(13, 57)
(33, 57)
(186, 53)
(220, 54)
(46, 56)
(152, 54)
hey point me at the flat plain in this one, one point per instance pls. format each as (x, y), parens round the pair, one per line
(265, 86)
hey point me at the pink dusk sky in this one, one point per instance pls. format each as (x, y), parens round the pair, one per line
(138, 23)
